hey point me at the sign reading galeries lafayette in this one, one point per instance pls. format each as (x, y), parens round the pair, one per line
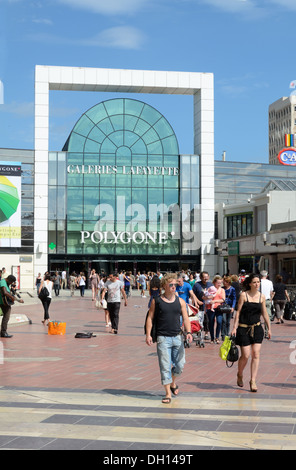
(287, 156)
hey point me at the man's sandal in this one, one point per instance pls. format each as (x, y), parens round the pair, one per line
(166, 400)
(174, 390)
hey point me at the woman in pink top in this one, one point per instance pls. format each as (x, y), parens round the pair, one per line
(213, 311)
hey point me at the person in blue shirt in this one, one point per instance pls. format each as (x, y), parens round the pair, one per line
(184, 290)
(230, 299)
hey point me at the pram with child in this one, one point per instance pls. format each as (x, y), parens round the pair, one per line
(196, 321)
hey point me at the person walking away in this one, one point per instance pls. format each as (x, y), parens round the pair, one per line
(170, 345)
(81, 280)
(57, 284)
(248, 330)
(7, 298)
(114, 287)
(280, 298)
(47, 301)
(73, 282)
(266, 287)
(64, 280)
(230, 299)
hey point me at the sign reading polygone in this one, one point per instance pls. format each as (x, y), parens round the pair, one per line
(287, 156)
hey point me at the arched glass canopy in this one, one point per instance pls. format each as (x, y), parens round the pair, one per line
(114, 126)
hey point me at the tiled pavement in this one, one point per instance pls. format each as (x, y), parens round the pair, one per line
(59, 392)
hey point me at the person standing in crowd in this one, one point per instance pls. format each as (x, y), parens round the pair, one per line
(266, 287)
(46, 282)
(248, 330)
(170, 346)
(127, 284)
(280, 298)
(64, 279)
(154, 288)
(6, 300)
(142, 282)
(230, 299)
(94, 281)
(38, 282)
(235, 283)
(57, 283)
(114, 287)
(81, 280)
(213, 311)
(199, 291)
(185, 291)
(73, 283)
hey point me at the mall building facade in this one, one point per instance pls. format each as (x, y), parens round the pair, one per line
(120, 194)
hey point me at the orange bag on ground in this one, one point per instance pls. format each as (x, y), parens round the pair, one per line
(56, 328)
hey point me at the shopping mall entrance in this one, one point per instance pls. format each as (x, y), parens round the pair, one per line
(105, 266)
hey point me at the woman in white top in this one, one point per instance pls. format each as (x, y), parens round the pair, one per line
(81, 283)
(46, 302)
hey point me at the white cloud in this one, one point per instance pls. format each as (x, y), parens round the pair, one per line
(289, 4)
(109, 7)
(248, 8)
(121, 37)
(19, 109)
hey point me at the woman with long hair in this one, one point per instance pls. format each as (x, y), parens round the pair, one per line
(248, 330)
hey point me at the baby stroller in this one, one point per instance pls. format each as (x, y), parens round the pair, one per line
(196, 320)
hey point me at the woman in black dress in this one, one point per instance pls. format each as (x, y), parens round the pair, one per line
(280, 298)
(247, 328)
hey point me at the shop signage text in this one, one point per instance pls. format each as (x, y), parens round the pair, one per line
(124, 170)
(124, 237)
(287, 156)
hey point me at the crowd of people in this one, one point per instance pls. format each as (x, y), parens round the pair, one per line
(248, 297)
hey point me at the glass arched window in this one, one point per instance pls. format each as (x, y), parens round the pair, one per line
(122, 160)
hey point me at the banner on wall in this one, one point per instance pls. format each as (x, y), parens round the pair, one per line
(10, 204)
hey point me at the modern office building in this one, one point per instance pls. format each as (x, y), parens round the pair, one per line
(281, 121)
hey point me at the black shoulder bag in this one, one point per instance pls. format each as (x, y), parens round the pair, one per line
(233, 354)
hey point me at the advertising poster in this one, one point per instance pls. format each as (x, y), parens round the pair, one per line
(10, 204)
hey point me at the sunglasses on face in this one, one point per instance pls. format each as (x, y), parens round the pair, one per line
(173, 284)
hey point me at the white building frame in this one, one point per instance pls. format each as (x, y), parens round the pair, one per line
(199, 85)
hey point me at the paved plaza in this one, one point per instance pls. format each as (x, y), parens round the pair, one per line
(60, 392)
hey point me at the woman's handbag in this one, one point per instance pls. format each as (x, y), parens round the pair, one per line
(224, 348)
(224, 308)
(233, 354)
(43, 294)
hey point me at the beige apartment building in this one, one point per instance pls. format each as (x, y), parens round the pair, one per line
(281, 121)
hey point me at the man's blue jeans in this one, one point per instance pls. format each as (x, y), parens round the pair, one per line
(171, 357)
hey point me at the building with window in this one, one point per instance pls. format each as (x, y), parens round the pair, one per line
(120, 194)
(281, 121)
(260, 233)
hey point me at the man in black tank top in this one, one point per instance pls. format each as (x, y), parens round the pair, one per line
(167, 310)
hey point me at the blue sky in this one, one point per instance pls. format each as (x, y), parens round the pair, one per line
(247, 44)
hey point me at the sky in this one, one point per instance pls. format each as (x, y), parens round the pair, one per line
(249, 46)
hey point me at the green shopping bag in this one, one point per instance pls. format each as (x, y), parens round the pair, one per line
(224, 348)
